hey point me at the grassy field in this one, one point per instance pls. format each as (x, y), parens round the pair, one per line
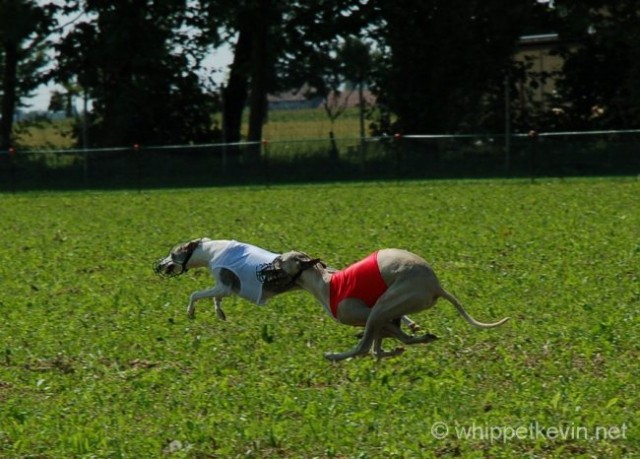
(280, 125)
(97, 358)
(44, 134)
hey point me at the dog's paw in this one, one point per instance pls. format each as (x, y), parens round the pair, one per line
(220, 313)
(383, 354)
(191, 312)
(428, 337)
(336, 357)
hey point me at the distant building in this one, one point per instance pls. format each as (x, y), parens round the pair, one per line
(537, 51)
(292, 100)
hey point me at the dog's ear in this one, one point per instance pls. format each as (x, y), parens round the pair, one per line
(304, 258)
(192, 245)
(186, 248)
(307, 262)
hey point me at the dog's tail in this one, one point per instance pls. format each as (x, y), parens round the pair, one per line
(453, 300)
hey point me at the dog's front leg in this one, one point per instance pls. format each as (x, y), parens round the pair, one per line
(217, 302)
(371, 331)
(218, 291)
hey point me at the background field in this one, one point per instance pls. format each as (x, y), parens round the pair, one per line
(299, 150)
(97, 358)
(311, 123)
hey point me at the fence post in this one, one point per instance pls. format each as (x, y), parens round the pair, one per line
(85, 166)
(12, 168)
(533, 137)
(264, 155)
(136, 152)
(507, 123)
(398, 152)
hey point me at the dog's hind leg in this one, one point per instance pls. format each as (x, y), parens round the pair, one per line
(380, 353)
(413, 327)
(371, 331)
(354, 312)
(391, 329)
(400, 299)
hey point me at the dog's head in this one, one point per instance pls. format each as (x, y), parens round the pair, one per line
(176, 262)
(283, 272)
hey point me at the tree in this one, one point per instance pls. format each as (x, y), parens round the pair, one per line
(339, 67)
(599, 83)
(63, 100)
(440, 56)
(322, 55)
(138, 64)
(252, 70)
(24, 28)
(223, 21)
(273, 39)
(357, 62)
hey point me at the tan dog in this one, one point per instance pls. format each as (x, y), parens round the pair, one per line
(407, 285)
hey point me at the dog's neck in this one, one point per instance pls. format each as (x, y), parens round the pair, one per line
(316, 281)
(206, 251)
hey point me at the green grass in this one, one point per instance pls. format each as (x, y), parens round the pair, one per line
(97, 358)
(311, 124)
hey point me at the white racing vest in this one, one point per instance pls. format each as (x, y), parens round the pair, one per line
(244, 260)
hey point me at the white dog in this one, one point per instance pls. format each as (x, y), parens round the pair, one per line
(235, 267)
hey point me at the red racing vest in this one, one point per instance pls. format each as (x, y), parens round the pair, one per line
(361, 280)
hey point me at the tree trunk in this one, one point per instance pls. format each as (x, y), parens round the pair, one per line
(9, 82)
(235, 94)
(259, 66)
(363, 152)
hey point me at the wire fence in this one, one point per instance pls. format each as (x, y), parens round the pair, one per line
(533, 155)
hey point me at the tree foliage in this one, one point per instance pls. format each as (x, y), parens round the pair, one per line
(598, 87)
(441, 57)
(24, 28)
(436, 65)
(134, 60)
